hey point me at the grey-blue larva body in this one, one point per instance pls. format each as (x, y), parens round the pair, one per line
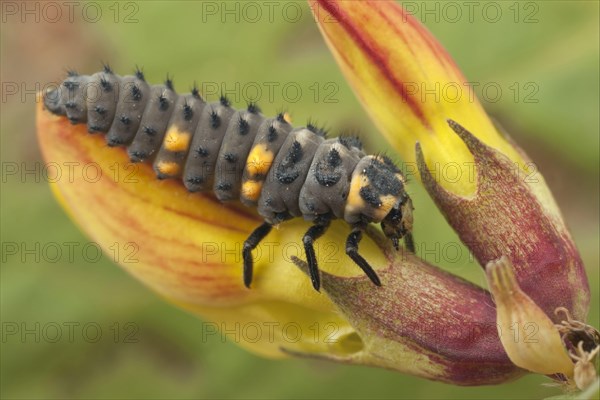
(284, 172)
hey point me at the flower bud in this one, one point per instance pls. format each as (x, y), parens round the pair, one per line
(508, 216)
(529, 337)
(421, 321)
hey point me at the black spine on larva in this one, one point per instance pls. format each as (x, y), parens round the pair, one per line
(134, 93)
(350, 142)
(198, 174)
(316, 129)
(154, 122)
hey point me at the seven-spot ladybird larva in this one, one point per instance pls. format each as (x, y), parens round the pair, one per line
(264, 162)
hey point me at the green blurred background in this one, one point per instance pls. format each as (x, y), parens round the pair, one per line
(548, 49)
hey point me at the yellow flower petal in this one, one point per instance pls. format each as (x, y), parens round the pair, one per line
(408, 83)
(186, 247)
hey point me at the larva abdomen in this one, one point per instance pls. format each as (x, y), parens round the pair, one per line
(283, 172)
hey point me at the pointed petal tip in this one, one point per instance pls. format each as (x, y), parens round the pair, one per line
(476, 147)
(417, 147)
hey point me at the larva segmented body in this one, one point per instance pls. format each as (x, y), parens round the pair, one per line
(240, 154)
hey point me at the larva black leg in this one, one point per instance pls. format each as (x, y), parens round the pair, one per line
(352, 251)
(409, 242)
(249, 245)
(313, 233)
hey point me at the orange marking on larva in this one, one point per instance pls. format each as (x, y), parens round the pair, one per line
(355, 201)
(259, 160)
(168, 168)
(251, 190)
(387, 202)
(176, 140)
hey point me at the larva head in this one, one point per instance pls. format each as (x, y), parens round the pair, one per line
(398, 222)
(377, 195)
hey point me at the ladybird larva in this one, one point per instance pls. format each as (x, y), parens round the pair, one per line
(284, 172)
